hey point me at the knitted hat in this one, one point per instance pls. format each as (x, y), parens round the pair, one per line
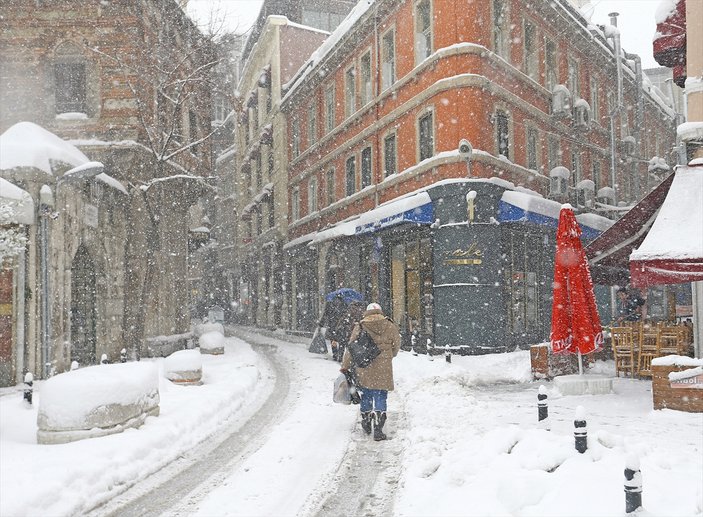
(373, 308)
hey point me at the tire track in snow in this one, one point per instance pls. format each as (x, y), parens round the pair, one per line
(180, 485)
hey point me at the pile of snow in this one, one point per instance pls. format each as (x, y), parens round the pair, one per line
(212, 343)
(97, 401)
(204, 328)
(184, 367)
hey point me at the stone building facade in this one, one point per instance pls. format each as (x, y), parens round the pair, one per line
(128, 84)
(455, 241)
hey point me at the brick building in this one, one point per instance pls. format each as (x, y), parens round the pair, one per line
(128, 84)
(457, 244)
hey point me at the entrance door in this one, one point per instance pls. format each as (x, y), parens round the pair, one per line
(83, 313)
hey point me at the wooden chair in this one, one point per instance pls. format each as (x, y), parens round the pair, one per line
(648, 349)
(622, 339)
(672, 341)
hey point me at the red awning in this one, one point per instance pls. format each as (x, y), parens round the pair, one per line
(669, 43)
(609, 254)
(672, 252)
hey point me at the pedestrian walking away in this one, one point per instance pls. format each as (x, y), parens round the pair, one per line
(376, 380)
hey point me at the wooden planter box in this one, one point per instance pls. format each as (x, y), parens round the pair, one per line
(678, 396)
(546, 365)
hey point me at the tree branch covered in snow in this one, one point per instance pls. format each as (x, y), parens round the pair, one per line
(12, 239)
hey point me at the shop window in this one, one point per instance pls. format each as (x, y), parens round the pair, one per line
(366, 92)
(423, 30)
(366, 167)
(530, 57)
(523, 274)
(426, 136)
(388, 60)
(330, 187)
(351, 175)
(329, 108)
(390, 155)
(349, 92)
(502, 134)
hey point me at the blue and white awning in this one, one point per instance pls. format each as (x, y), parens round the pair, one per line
(518, 207)
(412, 209)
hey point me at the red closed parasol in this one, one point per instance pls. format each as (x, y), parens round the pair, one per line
(576, 326)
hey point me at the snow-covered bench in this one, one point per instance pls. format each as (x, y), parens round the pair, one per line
(184, 367)
(97, 401)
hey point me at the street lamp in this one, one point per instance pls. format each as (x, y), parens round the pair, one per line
(46, 211)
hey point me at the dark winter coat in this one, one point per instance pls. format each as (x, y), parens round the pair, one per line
(379, 374)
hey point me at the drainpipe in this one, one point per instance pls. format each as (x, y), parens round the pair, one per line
(615, 112)
(639, 120)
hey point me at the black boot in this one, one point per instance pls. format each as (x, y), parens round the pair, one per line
(366, 421)
(379, 421)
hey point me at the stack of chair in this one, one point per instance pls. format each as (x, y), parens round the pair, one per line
(648, 349)
(623, 341)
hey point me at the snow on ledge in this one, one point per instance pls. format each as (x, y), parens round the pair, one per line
(676, 360)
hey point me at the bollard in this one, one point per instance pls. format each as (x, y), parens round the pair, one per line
(74, 365)
(123, 355)
(633, 484)
(103, 359)
(429, 350)
(29, 388)
(580, 430)
(542, 408)
(447, 354)
(413, 342)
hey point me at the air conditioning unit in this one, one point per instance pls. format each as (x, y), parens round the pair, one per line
(582, 114)
(628, 145)
(558, 181)
(585, 193)
(561, 101)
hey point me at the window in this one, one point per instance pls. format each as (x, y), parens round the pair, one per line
(532, 139)
(193, 130)
(366, 177)
(312, 123)
(389, 155)
(500, 29)
(349, 91)
(554, 153)
(329, 108)
(575, 168)
(221, 109)
(574, 79)
(530, 61)
(351, 175)
(426, 136)
(271, 213)
(596, 175)
(70, 87)
(295, 137)
(388, 60)
(551, 76)
(502, 134)
(312, 195)
(423, 30)
(366, 84)
(295, 204)
(330, 187)
(595, 105)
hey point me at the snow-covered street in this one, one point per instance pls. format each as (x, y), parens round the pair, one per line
(261, 436)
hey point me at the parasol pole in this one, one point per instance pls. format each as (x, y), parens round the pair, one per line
(580, 363)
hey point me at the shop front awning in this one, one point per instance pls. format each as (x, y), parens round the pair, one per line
(672, 251)
(609, 255)
(520, 207)
(412, 209)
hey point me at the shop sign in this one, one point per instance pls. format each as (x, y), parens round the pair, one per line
(470, 256)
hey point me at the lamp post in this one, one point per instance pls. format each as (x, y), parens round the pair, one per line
(46, 211)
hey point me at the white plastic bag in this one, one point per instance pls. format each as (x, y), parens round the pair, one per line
(340, 393)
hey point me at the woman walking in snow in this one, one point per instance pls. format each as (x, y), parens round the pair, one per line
(376, 380)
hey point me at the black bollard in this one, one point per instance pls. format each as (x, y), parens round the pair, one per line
(123, 355)
(447, 354)
(29, 387)
(580, 430)
(633, 485)
(542, 408)
(413, 342)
